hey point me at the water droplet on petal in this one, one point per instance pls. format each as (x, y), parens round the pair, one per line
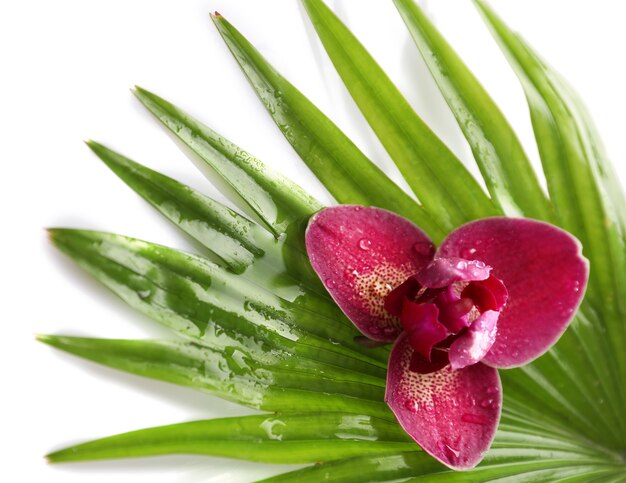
(461, 265)
(330, 283)
(449, 451)
(492, 390)
(412, 406)
(479, 264)
(468, 252)
(486, 403)
(365, 244)
(474, 419)
(423, 248)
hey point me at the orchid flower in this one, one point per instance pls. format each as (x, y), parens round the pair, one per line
(497, 293)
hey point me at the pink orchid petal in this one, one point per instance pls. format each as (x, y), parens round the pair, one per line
(452, 415)
(420, 321)
(453, 309)
(472, 346)
(438, 360)
(361, 254)
(442, 272)
(544, 273)
(490, 294)
(395, 300)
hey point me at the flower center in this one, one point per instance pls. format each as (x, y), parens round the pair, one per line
(449, 312)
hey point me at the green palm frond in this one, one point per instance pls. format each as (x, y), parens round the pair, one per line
(253, 324)
(343, 169)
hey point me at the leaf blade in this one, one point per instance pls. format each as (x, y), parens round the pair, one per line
(200, 300)
(440, 181)
(343, 169)
(505, 462)
(584, 198)
(244, 376)
(505, 168)
(277, 201)
(280, 439)
(232, 237)
(244, 247)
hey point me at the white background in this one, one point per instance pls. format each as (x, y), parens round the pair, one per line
(65, 70)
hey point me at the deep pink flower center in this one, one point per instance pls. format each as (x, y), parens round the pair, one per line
(449, 312)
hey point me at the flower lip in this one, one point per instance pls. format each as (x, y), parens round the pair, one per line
(449, 311)
(453, 415)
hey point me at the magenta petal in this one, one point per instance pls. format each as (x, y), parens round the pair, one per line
(453, 310)
(490, 294)
(394, 301)
(452, 415)
(438, 360)
(442, 272)
(361, 254)
(420, 321)
(544, 273)
(472, 346)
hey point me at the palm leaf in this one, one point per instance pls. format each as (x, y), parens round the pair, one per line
(235, 240)
(588, 204)
(504, 464)
(198, 299)
(441, 182)
(277, 201)
(343, 169)
(276, 438)
(275, 382)
(239, 244)
(499, 154)
(247, 340)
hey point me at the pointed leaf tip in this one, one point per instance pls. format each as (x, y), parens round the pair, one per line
(44, 338)
(277, 201)
(53, 234)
